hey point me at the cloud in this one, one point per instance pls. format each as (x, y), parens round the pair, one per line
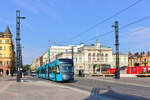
(136, 38)
(40, 7)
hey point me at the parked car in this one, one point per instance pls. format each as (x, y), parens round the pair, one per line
(33, 74)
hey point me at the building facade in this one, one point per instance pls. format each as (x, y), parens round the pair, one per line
(139, 59)
(90, 58)
(7, 53)
(123, 59)
(37, 63)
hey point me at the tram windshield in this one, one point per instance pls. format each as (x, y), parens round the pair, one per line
(67, 68)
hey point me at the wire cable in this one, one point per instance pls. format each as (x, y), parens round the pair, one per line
(116, 14)
(122, 27)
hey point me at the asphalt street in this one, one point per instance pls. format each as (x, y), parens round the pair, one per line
(37, 89)
(84, 88)
(110, 89)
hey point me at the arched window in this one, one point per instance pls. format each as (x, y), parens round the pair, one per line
(93, 54)
(106, 55)
(89, 54)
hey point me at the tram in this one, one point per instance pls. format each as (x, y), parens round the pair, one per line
(57, 70)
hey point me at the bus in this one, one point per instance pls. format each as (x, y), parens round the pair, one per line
(57, 70)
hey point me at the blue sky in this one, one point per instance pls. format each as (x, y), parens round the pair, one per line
(60, 20)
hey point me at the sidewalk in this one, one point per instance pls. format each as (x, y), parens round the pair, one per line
(40, 90)
(4, 78)
(144, 82)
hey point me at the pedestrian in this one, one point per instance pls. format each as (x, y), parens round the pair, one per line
(7, 72)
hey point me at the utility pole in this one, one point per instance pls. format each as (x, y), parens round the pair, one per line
(21, 63)
(18, 46)
(117, 72)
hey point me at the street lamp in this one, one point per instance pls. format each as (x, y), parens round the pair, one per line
(18, 46)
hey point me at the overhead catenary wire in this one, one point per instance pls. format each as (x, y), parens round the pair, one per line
(137, 30)
(122, 27)
(108, 18)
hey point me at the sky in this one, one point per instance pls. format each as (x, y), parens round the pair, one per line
(64, 22)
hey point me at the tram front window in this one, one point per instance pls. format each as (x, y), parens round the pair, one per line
(67, 69)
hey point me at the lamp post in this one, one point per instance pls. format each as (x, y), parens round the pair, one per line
(18, 46)
(117, 72)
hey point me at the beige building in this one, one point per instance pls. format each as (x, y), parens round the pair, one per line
(89, 57)
(123, 60)
(45, 58)
(36, 63)
(53, 52)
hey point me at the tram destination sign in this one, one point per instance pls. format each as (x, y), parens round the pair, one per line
(69, 65)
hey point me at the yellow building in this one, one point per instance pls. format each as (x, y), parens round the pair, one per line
(7, 53)
(142, 59)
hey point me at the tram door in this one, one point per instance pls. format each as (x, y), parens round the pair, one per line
(48, 71)
(55, 71)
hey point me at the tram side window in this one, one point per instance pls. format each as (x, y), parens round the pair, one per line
(45, 71)
(42, 71)
(58, 71)
(50, 69)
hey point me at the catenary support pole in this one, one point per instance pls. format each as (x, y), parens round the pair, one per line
(117, 72)
(18, 46)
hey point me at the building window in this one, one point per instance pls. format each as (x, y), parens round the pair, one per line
(0, 41)
(89, 54)
(7, 62)
(106, 59)
(0, 62)
(102, 57)
(0, 55)
(0, 47)
(94, 54)
(6, 41)
(93, 59)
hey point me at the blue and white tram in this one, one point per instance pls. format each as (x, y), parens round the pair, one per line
(57, 70)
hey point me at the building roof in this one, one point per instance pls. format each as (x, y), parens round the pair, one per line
(120, 53)
(2, 33)
(94, 47)
(7, 31)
